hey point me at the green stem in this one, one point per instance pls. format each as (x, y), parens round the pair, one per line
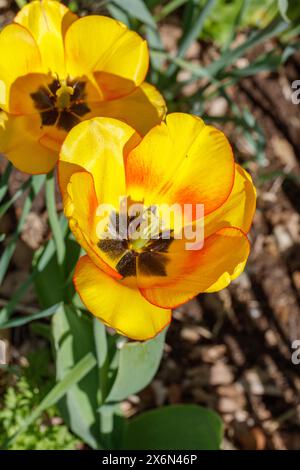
(4, 180)
(54, 221)
(4, 208)
(169, 8)
(100, 338)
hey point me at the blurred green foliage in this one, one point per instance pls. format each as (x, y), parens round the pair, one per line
(221, 22)
(18, 402)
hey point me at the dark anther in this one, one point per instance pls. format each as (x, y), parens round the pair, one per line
(127, 264)
(78, 91)
(42, 99)
(45, 100)
(160, 244)
(54, 86)
(49, 118)
(114, 248)
(150, 257)
(80, 109)
(67, 120)
(152, 264)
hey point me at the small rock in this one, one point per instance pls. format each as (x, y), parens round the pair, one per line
(218, 107)
(211, 354)
(234, 390)
(283, 150)
(221, 374)
(170, 35)
(283, 238)
(271, 338)
(227, 405)
(33, 231)
(254, 382)
(232, 398)
(190, 333)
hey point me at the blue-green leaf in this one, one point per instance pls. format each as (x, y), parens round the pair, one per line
(29, 318)
(51, 282)
(283, 6)
(36, 184)
(4, 180)
(142, 358)
(73, 339)
(136, 9)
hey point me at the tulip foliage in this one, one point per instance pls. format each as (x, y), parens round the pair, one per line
(80, 111)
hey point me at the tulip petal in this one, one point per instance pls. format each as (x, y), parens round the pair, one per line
(19, 56)
(142, 109)
(181, 162)
(21, 143)
(98, 146)
(238, 210)
(222, 259)
(118, 306)
(117, 57)
(48, 20)
(80, 207)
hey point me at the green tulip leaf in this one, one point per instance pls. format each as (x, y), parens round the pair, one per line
(73, 339)
(177, 427)
(137, 365)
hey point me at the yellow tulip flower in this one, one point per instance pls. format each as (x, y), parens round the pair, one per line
(57, 70)
(132, 283)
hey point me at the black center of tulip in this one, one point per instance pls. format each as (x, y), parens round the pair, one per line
(150, 260)
(61, 104)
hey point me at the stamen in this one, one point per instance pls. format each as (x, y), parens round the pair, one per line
(146, 253)
(61, 103)
(152, 264)
(115, 248)
(127, 265)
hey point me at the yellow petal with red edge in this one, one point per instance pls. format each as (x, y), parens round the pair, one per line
(20, 142)
(142, 109)
(19, 56)
(98, 146)
(238, 210)
(118, 306)
(80, 207)
(183, 162)
(106, 49)
(48, 20)
(222, 259)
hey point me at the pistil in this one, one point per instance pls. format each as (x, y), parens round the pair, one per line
(63, 96)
